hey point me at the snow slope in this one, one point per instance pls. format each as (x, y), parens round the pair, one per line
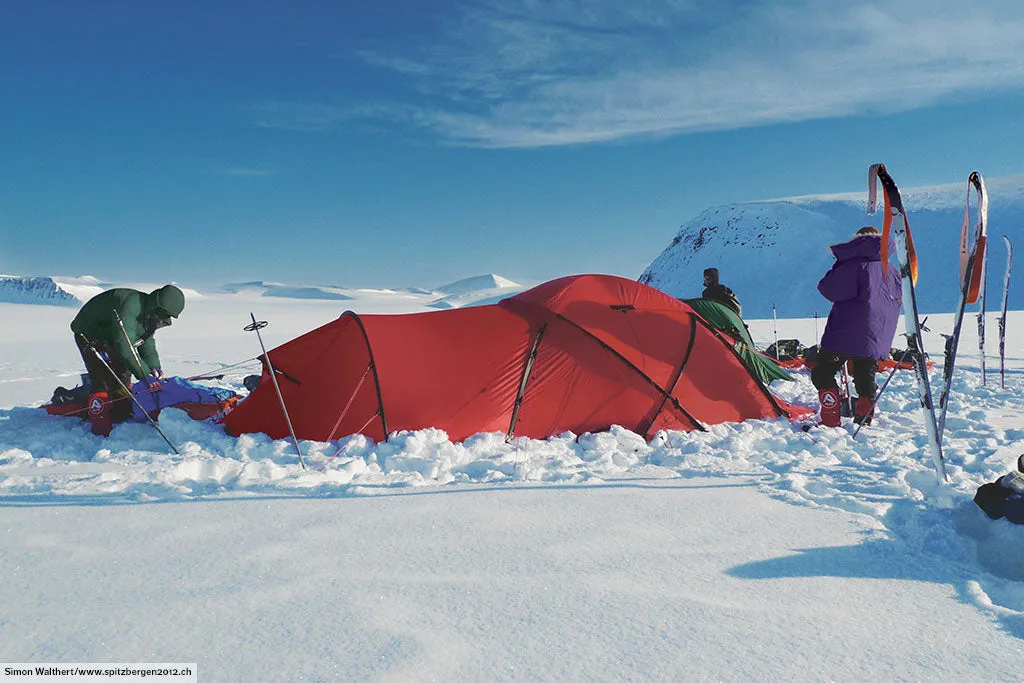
(47, 290)
(774, 252)
(476, 291)
(752, 551)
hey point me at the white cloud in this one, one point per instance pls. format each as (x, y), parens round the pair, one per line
(552, 73)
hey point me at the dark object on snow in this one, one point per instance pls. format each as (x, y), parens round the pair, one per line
(786, 349)
(1005, 496)
(251, 382)
(991, 498)
(905, 355)
(63, 396)
(811, 355)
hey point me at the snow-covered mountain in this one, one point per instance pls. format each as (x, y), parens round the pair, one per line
(479, 282)
(475, 291)
(53, 291)
(73, 291)
(277, 289)
(774, 252)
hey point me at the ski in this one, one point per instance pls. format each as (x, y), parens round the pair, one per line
(904, 243)
(1002, 317)
(972, 255)
(979, 283)
(981, 322)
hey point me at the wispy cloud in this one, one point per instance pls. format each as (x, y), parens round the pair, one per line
(532, 73)
(306, 117)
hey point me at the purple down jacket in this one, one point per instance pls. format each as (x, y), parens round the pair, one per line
(865, 303)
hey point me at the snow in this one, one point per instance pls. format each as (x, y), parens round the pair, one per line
(785, 242)
(35, 289)
(751, 551)
(480, 282)
(476, 291)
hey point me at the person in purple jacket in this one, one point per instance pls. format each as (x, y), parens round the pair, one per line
(861, 325)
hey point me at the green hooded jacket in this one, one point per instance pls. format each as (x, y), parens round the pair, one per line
(125, 320)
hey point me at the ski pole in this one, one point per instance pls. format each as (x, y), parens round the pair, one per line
(878, 394)
(1002, 317)
(129, 393)
(775, 329)
(256, 326)
(981, 324)
(135, 351)
(848, 398)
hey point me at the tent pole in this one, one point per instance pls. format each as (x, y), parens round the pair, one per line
(522, 382)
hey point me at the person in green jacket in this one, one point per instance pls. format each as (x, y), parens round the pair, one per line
(716, 291)
(119, 325)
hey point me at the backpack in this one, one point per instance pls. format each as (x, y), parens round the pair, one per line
(786, 349)
(1005, 496)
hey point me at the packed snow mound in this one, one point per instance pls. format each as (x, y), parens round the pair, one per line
(479, 283)
(46, 291)
(773, 253)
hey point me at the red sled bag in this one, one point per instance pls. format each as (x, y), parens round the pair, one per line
(99, 413)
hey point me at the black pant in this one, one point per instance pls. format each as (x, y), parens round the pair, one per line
(100, 376)
(823, 376)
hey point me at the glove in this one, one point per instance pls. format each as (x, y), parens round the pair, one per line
(153, 380)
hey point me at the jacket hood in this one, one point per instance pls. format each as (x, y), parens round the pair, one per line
(866, 247)
(168, 299)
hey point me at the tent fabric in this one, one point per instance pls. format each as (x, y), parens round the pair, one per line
(577, 354)
(721, 317)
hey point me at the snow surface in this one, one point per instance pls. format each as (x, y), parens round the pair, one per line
(752, 551)
(773, 253)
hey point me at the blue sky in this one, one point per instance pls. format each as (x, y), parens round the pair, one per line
(403, 143)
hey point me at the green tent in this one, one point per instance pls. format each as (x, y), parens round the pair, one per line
(723, 318)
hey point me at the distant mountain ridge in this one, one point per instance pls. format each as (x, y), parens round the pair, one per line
(73, 291)
(46, 290)
(774, 252)
(476, 291)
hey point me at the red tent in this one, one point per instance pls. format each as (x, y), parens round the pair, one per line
(576, 354)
